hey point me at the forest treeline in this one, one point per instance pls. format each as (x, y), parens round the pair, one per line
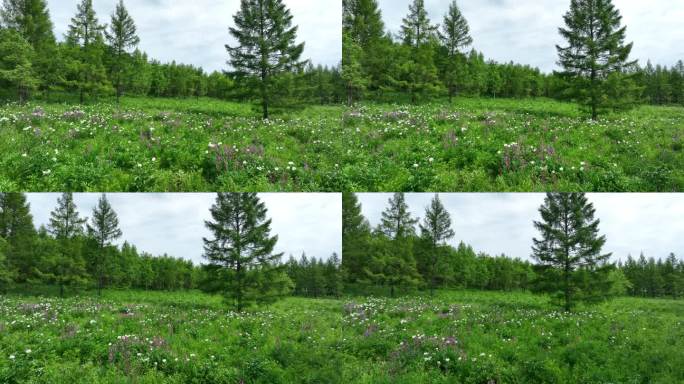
(426, 60)
(403, 254)
(97, 60)
(74, 253)
(400, 255)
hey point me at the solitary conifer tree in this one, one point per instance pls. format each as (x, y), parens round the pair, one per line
(396, 222)
(68, 265)
(266, 45)
(16, 227)
(436, 228)
(568, 254)
(65, 222)
(455, 35)
(416, 28)
(596, 54)
(240, 254)
(121, 36)
(104, 230)
(85, 35)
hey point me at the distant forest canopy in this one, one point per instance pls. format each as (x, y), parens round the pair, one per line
(74, 253)
(100, 60)
(426, 60)
(399, 256)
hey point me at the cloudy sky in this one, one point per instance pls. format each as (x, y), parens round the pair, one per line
(174, 223)
(502, 223)
(195, 32)
(526, 31)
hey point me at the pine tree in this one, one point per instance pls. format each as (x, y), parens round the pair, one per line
(65, 222)
(352, 69)
(121, 36)
(16, 66)
(416, 29)
(355, 237)
(241, 259)
(436, 228)
(454, 36)
(85, 37)
(104, 229)
(417, 73)
(569, 252)
(31, 19)
(396, 222)
(596, 50)
(68, 266)
(265, 47)
(16, 228)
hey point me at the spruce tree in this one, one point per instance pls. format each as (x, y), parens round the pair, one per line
(16, 68)
(436, 229)
(596, 53)
(65, 222)
(68, 265)
(352, 69)
(16, 228)
(86, 40)
(103, 229)
(396, 222)
(31, 19)
(355, 237)
(416, 71)
(416, 29)
(454, 36)
(265, 47)
(121, 36)
(568, 254)
(242, 264)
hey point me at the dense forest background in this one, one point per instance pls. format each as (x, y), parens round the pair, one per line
(95, 61)
(70, 256)
(443, 61)
(399, 256)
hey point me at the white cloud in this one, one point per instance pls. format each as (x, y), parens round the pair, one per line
(502, 223)
(173, 223)
(526, 31)
(195, 32)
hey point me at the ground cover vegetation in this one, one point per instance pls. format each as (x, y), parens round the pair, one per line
(427, 102)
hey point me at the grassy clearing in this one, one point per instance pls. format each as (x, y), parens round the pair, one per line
(208, 145)
(165, 145)
(516, 145)
(469, 337)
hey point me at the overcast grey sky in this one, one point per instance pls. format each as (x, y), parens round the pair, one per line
(195, 32)
(174, 223)
(502, 223)
(526, 31)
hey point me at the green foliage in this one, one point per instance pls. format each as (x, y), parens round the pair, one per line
(265, 47)
(122, 36)
(242, 265)
(457, 336)
(596, 55)
(16, 70)
(568, 254)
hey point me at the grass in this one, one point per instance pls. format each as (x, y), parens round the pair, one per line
(208, 145)
(458, 336)
(517, 145)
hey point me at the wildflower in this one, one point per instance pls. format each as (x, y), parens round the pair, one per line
(12, 357)
(415, 165)
(92, 321)
(432, 159)
(24, 155)
(154, 159)
(28, 351)
(47, 172)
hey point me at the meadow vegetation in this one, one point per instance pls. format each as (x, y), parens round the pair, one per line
(462, 336)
